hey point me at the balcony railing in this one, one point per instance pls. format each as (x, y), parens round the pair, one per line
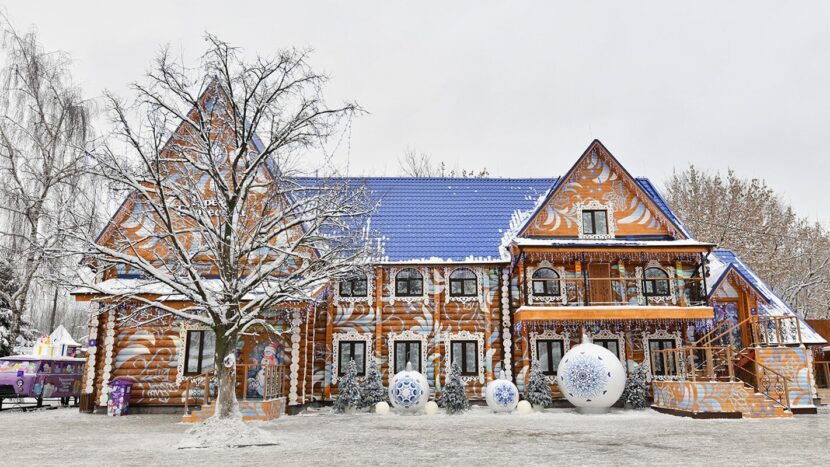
(627, 291)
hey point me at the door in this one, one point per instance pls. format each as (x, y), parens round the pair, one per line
(599, 284)
(727, 313)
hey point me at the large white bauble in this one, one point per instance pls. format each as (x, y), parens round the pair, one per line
(408, 390)
(591, 377)
(501, 394)
(524, 407)
(382, 408)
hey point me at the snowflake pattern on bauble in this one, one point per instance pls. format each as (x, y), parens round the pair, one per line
(407, 391)
(505, 395)
(585, 376)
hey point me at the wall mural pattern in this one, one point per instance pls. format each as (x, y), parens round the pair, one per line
(714, 397)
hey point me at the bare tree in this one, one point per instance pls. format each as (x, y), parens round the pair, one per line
(789, 252)
(44, 133)
(420, 165)
(219, 216)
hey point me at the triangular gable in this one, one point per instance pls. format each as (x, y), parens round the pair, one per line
(598, 180)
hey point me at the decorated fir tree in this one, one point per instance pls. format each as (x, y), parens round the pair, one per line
(453, 396)
(373, 390)
(349, 395)
(634, 393)
(538, 390)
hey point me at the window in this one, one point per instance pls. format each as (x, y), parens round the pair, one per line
(465, 354)
(546, 282)
(613, 345)
(409, 283)
(655, 283)
(407, 351)
(351, 350)
(549, 352)
(595, 222)
(463, 283)
(356, 286)
(198, 352)
(662, 363)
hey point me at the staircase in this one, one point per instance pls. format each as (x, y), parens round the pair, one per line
(252, 410)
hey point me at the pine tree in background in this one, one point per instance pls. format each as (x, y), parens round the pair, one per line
(8, 286)
(538, 390)
(634, 394)
(373, 390)
(453, 397)
(349, 395)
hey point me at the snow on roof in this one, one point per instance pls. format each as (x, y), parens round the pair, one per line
(722, 260)
(608, 242)
(61, 336)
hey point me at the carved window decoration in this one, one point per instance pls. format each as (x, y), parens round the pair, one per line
(406, 339)
(661, 340)
(408, 284)
(596, 220)
(549, 342)
(465, 285)
(656, 284)
(614, 342)
(191, 337)
(356, 288)
(467, 349)
(355, 346)
(546, 284)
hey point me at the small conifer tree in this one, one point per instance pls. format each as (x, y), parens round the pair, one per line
(634, 393)
(538, 390)
(349, 396)
(453, 396)
(373, 390)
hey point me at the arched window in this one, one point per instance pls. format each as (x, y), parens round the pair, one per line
(354, 286)
(546, 283)
(655, 283)
(409, 283)
(463, 283)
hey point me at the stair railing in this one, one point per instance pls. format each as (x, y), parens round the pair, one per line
(271, 383)
(769, 382)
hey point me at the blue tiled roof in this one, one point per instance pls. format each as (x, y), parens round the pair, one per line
(655, 196)
(454, 218)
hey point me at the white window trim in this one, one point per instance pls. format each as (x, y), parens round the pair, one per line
(548, 335)
(670, 273)
(393, 274)
(370, 291)
(563, 291)
(466, 336)
(351, 336)
(478, 297)
(658, 334)
(407, 335)
(182, 350)
(608, 335)
(609, 217)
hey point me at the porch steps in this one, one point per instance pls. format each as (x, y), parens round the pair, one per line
(251, 411)
(757, 405)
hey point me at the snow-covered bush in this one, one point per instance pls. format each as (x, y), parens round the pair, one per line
(373, 390)
(538, 390)
(634, 394)
(349, 395)
(453, 397)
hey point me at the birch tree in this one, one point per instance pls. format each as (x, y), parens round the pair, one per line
(220, 215)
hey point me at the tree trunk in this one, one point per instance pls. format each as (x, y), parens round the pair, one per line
(227, 406)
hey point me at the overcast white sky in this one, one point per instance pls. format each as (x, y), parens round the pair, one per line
(518, 87)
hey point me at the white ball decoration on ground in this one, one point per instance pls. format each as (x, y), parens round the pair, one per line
(431, 408)
(382, 408)
(591, 377)
(501, 394)
(408, 390)
(524, 407)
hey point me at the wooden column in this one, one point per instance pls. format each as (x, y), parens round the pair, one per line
(378, 313)
(329, 350)
(436, 337)
(485, 307)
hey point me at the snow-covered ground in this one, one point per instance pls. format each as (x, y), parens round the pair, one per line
(64, 436)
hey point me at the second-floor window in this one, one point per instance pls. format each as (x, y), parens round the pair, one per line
(409, 283)
(655, 283)
(355, 286)
(546, 283)
(463, 283)
(595, 222)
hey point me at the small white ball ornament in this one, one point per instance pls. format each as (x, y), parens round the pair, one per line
(431, 408)
(382, 408)
(591, 377)
(501, 394)
(408, 390)
(524, 407)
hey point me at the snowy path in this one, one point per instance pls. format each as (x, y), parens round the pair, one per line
(61, 437)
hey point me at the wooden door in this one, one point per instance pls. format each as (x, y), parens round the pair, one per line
(600, 285)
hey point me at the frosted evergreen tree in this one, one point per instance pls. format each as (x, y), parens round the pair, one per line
(538, 390)
(373, 390)
(634, 393)
(349, 395)
(453, 396)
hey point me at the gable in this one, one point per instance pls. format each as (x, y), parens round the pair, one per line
(599, 181)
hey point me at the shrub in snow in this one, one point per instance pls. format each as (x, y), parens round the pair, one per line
(453, 397)
(373, 390)
(538, 390)
(349, 396)
(634, 393)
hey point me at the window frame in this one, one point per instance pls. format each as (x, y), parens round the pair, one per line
(351, 280)
(593, 211)
(463, 364)
(654, 281)
(200, 353)
(615, 341)
(546, 282)
(409, 281)
(463, 281)
(549, 343)
(660, 340)
(408, 343)
(352, 343)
